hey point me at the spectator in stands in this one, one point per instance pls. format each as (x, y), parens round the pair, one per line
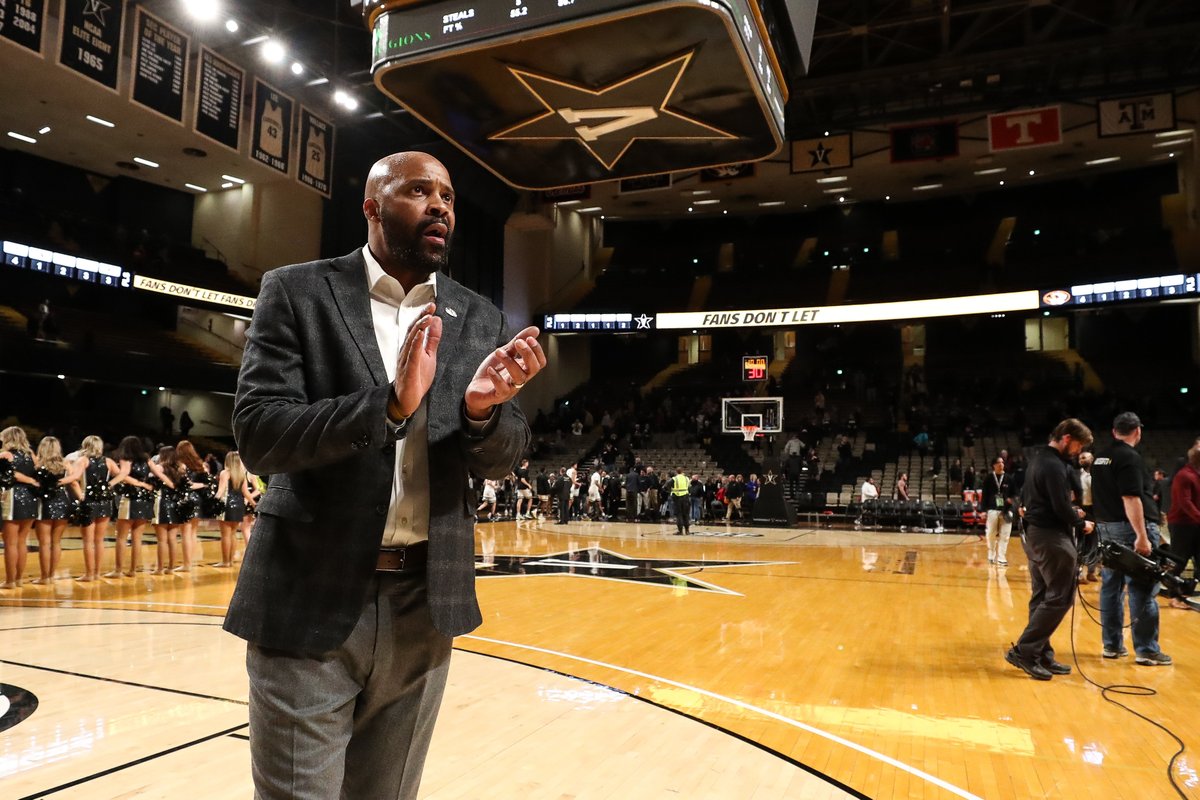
(1161, 491)
(968, 481)
(956, 478)
(1184, 516)
(577, 428)
(185, 424)
(793, 447)
(901, 489)
(167, 418)
(998, 502)
(968, 449)
(869, 491)
(922, 441)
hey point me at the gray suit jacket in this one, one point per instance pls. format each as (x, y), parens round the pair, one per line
(311, 413)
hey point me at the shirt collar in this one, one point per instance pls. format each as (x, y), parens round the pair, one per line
(387, 289)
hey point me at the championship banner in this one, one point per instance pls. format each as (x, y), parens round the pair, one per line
(931, 140)
(817, 155)
(316, 152)
(91, 39)
(219, 99)
(732, 172)
(21, 22)
(271, 133)
(1031, 127)
(1125, 116)
(160, 58)
(863, 312)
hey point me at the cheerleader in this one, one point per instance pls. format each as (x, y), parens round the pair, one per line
(168, 479)
(18, 503)
(234, 488)
(135, 502)
(93, 471)
(54, 506)
(195, 480)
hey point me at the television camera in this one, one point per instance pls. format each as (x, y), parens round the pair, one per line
(1161, 566)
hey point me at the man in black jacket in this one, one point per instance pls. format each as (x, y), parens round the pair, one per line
(1050, 547)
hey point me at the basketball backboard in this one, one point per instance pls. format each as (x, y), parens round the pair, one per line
(765, 412)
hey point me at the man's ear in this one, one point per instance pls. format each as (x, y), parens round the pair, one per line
(370, 209)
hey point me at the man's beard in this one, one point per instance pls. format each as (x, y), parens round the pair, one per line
(405, 246)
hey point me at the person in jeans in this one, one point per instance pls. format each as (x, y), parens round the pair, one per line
(1050, 547)
(1184, 516)
(1126, 514)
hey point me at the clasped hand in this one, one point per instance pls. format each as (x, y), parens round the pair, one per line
(497, 379)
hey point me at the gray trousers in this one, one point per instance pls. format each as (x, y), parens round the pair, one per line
(354, 722)
(1052, 568)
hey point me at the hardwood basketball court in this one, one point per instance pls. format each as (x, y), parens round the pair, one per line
(620, 661)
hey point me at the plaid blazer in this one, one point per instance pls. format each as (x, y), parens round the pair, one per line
(310, 411)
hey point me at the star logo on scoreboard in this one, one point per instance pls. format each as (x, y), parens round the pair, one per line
(643, 322)
(607, 121)
(601, 564)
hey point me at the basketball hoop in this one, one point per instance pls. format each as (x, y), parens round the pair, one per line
(749, 432)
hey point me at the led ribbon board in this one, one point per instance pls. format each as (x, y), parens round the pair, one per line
(547, 93)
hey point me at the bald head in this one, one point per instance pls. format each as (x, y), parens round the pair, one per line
(408, 201)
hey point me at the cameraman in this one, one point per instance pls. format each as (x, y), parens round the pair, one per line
(1050, 548)
(1127, 515)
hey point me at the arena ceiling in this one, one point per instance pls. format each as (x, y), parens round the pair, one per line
(874, 64)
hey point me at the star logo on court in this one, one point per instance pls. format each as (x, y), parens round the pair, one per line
(643, 322)
(820, 155)
(596, 562)
(607, 121)
(97, 9)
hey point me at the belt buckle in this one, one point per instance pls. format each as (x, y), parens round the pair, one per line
(403, 557)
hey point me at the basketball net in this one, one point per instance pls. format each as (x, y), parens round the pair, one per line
(749, 432)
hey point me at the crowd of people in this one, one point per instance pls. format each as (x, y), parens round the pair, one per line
(171, 491)
(636, 492)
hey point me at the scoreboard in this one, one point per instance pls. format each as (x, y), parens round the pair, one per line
(547, 93)
(754, 368)
(1181, 286)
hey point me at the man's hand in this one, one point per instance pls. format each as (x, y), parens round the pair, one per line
(1142, 545)
(417, 362)
(502, 374)
(1089, 526)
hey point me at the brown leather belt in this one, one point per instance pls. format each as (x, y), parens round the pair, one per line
(403, 559)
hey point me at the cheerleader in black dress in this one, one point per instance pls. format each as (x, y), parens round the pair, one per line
(55, 504)
(18, 503)
(234, 488)
(92, 471)
(189, 502)
(135, 502)
(168, 478)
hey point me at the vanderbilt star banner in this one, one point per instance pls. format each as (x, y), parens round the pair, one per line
(828, 152)
(91, 39)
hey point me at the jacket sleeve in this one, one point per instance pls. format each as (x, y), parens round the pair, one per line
(494, 452)
(277, 427)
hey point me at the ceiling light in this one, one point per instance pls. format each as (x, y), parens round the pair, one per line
(103, 122)
(771, 203)
(1169, 134)
(232, 179)
(837, 189)
(22, 137)
(231, 25)
(991, 171)
(826, 133)
(590, 209)
(1172, 143)
(887, 197)
(195, 187)
(317, 81)
(346, 101)
(227, 185)
(834, 179)
(44, 130)
(61, 377)
(925, 187)
(841, 199)
(707, 202)
(145, 162)
(569, 203)
(1001, 183)
(1032, 173)
(297, 68)
(273, 52)
(699, 192)
(255, 40)
(202, 9)
(351, 103)
(1097, 161)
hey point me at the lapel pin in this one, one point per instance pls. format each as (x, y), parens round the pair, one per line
(451, 311)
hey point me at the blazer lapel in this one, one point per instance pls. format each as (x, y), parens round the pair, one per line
(350, 292)
(451, 308)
